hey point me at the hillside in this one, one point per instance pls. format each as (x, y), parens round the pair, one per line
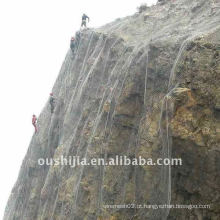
(145, 85)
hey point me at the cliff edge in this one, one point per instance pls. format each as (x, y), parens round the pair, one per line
(145, 85)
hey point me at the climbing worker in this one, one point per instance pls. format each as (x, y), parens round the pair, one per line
(52, 103)
(72, 44)
(84, 17)
(34, 122)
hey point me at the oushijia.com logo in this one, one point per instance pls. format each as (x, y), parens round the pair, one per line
(74, 161)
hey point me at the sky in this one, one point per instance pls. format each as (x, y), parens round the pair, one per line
(34, 39)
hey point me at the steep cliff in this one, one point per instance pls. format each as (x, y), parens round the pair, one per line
(144, 85)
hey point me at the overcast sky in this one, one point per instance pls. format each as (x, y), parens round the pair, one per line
(34, 38)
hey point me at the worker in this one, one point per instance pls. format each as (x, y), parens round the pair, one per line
(72, 44)
(34, 122)
(52, 103)
(84, 17)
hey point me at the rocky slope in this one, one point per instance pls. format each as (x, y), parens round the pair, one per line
(144, 85)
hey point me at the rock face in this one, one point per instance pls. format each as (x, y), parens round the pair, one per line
(146, 85)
